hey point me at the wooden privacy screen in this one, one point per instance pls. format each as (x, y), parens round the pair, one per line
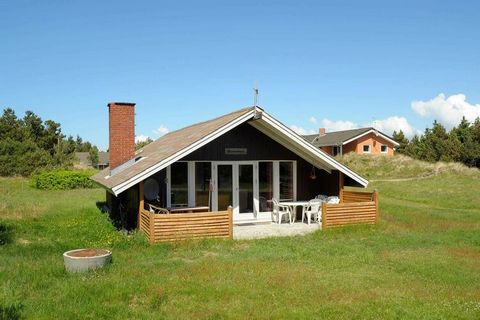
(182, 226)
(355, 208)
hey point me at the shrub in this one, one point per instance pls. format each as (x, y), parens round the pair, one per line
(63, 180)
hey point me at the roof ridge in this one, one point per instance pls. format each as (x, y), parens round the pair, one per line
(210, 120)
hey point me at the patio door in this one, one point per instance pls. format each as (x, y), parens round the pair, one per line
(224, 186)
(245, 191)
(234, 185)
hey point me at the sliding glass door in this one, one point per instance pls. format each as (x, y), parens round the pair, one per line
(224, 186)
(245, 189)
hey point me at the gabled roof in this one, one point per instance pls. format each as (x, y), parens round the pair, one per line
(178, 144)
(338, 138)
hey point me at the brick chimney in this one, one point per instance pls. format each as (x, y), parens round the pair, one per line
(121, 133)
(321, 132)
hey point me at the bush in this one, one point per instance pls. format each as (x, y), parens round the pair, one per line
(63, 180)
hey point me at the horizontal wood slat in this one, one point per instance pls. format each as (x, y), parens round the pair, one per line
(182, 226)
(356, 196)
(355, 208)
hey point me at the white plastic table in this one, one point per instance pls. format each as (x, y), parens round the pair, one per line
(293, 206)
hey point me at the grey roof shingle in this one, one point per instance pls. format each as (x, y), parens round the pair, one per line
(335, 138)
(166, 146)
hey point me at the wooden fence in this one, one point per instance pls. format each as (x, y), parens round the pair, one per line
(182, 226)
(354, 208)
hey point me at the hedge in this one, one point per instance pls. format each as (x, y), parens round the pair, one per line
(63, 180)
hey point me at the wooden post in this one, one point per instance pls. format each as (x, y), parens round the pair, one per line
(230, 221)
(341, 182)
(140, 203)
(377, 212)
(324, 214)
(152, 226)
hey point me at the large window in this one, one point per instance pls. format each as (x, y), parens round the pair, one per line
(265, 181)
(203, 174)
(286, 181)
(179, 184)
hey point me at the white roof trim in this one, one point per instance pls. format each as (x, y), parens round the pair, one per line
(278, 126)
(182, 153)
(312, 149)
(395, 143)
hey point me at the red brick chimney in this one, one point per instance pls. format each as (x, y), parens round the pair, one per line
(121, 133)
(321, 132)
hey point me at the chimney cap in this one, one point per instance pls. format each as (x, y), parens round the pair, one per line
(128, 104)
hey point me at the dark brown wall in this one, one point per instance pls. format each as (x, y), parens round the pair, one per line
(262, 147)
(259, 146)
(127, 219)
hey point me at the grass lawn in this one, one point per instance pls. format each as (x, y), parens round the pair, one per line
(421, 261)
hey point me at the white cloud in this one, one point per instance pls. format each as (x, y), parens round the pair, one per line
(141, 138)
(394, 123)
(162, 130)
(302, 131)
(312, 120)
(330, 125)
(448, 111)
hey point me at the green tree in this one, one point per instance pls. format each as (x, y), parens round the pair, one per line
(141, 144)
(93, 156)
(401, 139)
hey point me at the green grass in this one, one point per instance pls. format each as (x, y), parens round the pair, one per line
(421, 262)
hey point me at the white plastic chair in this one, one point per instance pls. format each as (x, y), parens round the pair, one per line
(312, 210)
(333, 200)
(279, 210)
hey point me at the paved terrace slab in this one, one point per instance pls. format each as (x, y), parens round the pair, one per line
(267, 230)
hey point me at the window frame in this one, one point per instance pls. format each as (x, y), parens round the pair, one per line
(369, 148)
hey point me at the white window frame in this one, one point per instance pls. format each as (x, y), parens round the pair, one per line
(386, 148)
(369, 148)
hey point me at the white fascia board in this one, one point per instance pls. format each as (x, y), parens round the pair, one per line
(182, 153)
(312, 149)
(395, 143)
(286, 142)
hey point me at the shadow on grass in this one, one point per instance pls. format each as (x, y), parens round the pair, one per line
(121, 219)
(6, 234)
(11, 312)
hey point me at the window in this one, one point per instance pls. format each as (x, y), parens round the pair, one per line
(179, 184)
(366, 148)
(265, 181)
(286, 181)
(384, 148)
(203, 174)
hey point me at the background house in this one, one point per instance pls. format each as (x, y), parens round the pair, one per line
(361, 141)
(82, 160)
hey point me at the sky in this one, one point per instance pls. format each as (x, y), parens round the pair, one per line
(334, 64)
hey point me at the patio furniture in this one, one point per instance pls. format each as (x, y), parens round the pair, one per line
(312, 210)
(293, 207)
(280, 210)
(333, 200)
(156, 209)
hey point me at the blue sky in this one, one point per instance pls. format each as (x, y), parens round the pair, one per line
(337, 64)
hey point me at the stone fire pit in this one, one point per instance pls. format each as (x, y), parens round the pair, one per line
(81, 260)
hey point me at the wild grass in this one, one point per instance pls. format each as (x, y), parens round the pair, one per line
(401, 167)
(422, 262)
